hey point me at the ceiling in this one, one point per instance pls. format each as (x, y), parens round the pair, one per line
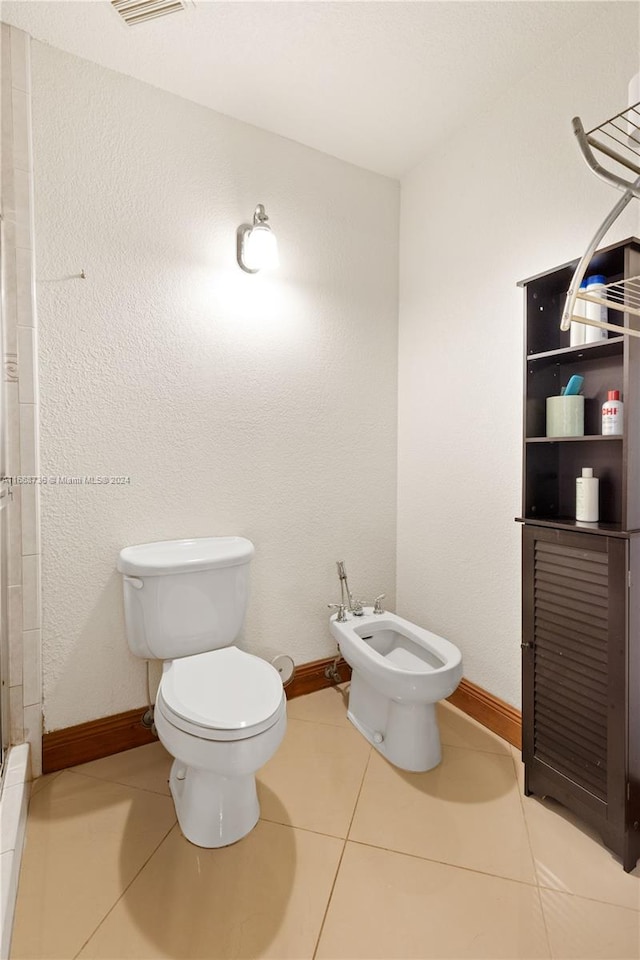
(378, 84)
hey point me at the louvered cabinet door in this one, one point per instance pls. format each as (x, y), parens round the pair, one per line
(574, 667)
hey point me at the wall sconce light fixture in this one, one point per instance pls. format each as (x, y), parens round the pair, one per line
(257, 247)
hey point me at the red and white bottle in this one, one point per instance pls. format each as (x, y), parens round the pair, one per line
(612, 411)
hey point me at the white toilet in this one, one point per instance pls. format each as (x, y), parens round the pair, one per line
(220, 712)
(399, 672)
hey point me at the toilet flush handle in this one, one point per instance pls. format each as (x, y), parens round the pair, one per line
(135, 582)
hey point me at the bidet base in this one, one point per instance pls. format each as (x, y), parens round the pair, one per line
(406, 733)
(213, 811)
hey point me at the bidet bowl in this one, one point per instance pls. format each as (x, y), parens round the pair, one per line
(399, 659)
(399, 672)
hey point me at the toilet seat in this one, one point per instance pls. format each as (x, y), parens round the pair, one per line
(221, 695)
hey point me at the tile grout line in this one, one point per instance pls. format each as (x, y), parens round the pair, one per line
(344, 847)
(454, 866)
(581, 896)
(484, 873)
(545, 886)
(323, 723)
(54, 776)
(118, 783)
(492, 753)
(533, 858)
(119, 898)
(293, 826)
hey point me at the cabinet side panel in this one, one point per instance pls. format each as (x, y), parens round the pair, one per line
(617, 684)
(528, 543)
(631, 399)
(633, 683)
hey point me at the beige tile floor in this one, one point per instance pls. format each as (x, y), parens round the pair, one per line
(351, 858)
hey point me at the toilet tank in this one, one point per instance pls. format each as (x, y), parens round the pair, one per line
(183, 597)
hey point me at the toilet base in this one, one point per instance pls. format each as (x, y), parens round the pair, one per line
(213, 811)
(410, 737)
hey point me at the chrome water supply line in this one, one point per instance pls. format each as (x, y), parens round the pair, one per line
(148, 721)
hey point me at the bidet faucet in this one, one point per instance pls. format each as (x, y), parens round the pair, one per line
(377, 606)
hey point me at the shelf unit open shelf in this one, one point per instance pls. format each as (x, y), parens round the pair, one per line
(570, 523)
(551, 464)
(596, 437)
(611, 347)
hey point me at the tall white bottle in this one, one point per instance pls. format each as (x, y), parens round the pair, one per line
(587, 496)
(595, 311)
(579, 330)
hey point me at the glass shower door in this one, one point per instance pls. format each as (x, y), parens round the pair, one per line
(5, 499)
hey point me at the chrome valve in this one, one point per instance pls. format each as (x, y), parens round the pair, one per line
(357, 609)
(342, 611)
(377, 606)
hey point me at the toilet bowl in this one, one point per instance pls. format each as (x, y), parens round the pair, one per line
(220, 712)
(221, 715)
(399, 672)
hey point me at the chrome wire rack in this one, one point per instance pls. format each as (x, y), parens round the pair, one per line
(623, 295)
(616, 140)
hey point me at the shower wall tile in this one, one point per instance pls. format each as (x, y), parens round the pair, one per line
(33, 736)
(30, 516)
(21, 390)
(26, 361)
(14, 623)
(16, 715)
(6, 126)
(20, 118)
(31, 593)
(12, 414)
(22, 208)
(32, 668)
(24, 288)
(14, 540)
(28, 435)
(10, 266)
(20, 69)
(5, 40)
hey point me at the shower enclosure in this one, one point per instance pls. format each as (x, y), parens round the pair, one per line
(5, 496)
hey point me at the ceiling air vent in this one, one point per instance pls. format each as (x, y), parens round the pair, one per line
(137, 11)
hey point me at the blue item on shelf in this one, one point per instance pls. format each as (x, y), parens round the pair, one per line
(574, 386)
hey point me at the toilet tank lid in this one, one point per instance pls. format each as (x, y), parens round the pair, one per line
(184, 556)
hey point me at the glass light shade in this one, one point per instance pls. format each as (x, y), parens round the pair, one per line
(260, 251)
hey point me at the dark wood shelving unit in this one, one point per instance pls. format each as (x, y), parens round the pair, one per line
(589, 351)
(570, 523)
(581, 582)
(593, 436)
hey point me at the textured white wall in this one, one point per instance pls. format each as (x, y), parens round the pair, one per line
(252, 405)
(507, 197)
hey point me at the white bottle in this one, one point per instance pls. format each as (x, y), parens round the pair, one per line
(579, 330)
(595, 311)
(612, 412)
(587, 496)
